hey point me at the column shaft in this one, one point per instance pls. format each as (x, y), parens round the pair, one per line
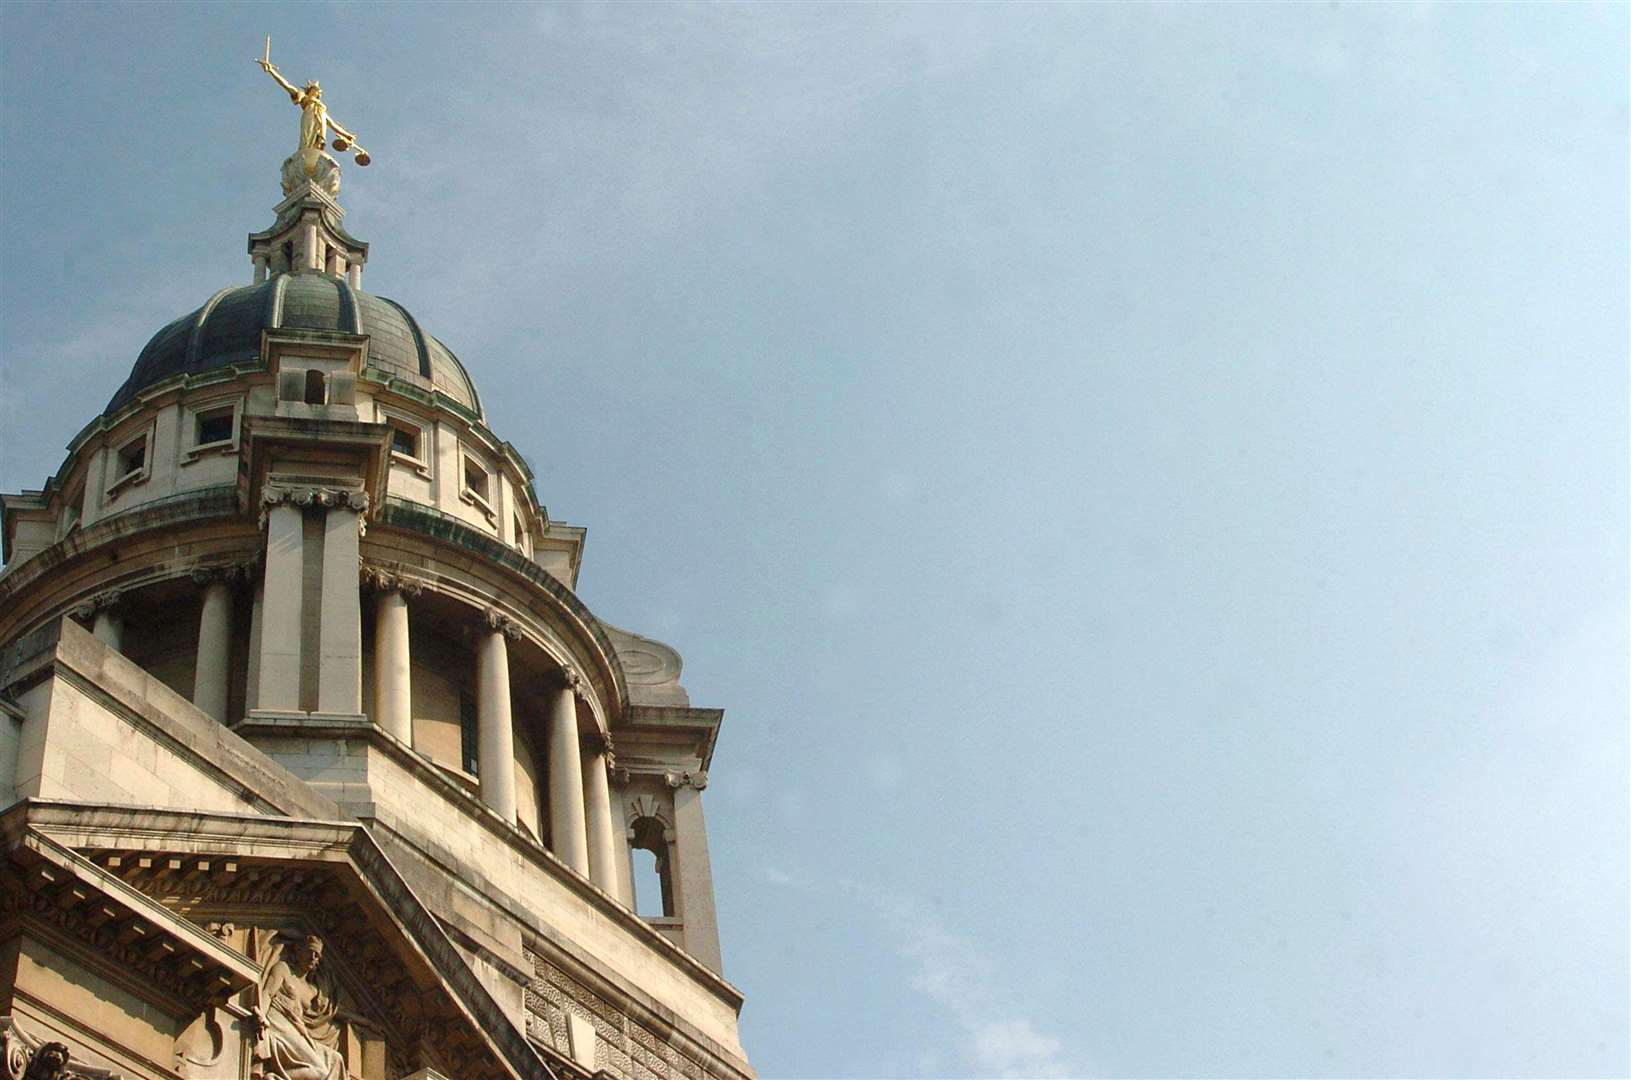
(252, 683)
(279, 684)
(339, 671)
(109, 629)
(566, 822)
(495, 739)
(393, 699)
(597, 800)
(210, 673)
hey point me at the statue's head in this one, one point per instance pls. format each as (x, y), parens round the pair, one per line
(313, 89)
(311, 949)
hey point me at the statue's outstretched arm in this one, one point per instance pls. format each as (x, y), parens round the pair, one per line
(337, 126)
(277, 77)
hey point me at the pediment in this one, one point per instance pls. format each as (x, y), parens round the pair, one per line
(225, 911)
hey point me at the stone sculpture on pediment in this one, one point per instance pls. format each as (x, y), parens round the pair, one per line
(297, 1019)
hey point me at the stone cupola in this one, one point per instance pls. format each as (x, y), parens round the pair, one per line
(307, 234)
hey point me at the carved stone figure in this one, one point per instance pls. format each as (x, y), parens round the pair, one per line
(50, 1062)
(296, 1034)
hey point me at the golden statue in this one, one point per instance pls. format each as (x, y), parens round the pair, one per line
(314, 117)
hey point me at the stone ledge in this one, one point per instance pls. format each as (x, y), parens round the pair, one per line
(306, 725)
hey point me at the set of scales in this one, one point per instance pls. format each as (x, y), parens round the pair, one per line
(309, 163)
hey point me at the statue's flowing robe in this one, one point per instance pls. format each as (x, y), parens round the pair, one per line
(298, 1041)
(313, 122)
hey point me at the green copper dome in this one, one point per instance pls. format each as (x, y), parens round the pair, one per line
(227, 330)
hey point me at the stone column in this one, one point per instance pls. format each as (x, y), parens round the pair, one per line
(109, 629)
(310, 258)
(260, 267)
(252, 683)
(355, 274)
(279, 685)
(339, 670)
(495, 737)
(597, 798)
(566, 820)
(393, 694)
(210, 673)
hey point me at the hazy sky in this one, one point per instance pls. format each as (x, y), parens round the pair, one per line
(1148, 485)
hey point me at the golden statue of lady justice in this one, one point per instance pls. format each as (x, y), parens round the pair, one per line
(314, 117)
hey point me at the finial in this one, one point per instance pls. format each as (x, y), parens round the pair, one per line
(309, 163)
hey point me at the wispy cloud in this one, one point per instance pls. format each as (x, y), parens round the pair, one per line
(955, 973)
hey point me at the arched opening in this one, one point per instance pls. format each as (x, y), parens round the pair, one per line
(316, 392)
(288, 255)
(653, 873)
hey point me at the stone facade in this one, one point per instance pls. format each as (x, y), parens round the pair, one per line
(316, 765)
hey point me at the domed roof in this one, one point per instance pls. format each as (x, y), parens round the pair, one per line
(227, 330)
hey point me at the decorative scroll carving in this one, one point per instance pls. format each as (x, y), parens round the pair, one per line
(698, 779)
(30, 1058)
(497, 620)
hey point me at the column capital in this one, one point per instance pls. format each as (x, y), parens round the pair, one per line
(698, 779)
(387, 578)
(300, 494)
(501, 623)
(599, 743)
(107, 600)
(226, 573)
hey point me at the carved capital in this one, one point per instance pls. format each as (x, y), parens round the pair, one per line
(571, 680)
(600, 743)
(383, 578)
(275, 493)
(497, 620)
(620, 773)
(674, 779)
(222, 572)
(107, 600)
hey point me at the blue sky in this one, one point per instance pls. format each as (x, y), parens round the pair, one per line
(1148, 484)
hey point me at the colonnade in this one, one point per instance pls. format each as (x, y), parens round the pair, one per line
(581, 822)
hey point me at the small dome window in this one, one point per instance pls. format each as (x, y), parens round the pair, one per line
(316, 388)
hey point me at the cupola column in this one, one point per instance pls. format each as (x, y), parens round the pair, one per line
(495, 738)
(597, 800)
(306, 250)
(260, 267)
(278, 687)
(393, 695)
(339, 669)
(567, 827)
(214, 647)
(109, 629)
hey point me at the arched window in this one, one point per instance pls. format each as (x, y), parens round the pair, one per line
(316, 393)
(653, 869)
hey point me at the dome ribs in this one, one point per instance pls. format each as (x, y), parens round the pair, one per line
(196, 339)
